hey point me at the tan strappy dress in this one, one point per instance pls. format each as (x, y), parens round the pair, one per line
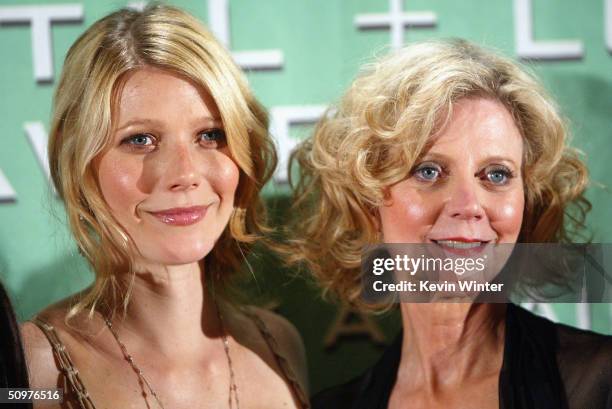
(73, 381)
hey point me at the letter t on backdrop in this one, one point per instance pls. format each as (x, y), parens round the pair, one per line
(40, 18)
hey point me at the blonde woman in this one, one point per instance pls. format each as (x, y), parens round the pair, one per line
(158, 151)
(450, 145)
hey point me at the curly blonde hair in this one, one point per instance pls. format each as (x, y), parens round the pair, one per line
(381, 126)
(85, 102)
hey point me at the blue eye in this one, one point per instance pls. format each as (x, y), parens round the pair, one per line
(428, 172)
(212, 137)
(139, 140)
(498, 175)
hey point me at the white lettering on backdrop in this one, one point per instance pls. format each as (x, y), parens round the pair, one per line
(40, 19)
(7, 193)
(219, 20)
(137, 5)
(282, 119)
(35, 132)
(608, 24)
(528, 48)
(396, 21)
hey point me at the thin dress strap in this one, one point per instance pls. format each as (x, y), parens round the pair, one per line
(71, 374)
(283, 363)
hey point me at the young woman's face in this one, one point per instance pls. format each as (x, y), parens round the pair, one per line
(168, 176)
(467, 188)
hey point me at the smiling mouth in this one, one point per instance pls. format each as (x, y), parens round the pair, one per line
(458, 244)
(462, 246)
(181, 216)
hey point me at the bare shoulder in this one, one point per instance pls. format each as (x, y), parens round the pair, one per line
(42, 366)
(289, 341)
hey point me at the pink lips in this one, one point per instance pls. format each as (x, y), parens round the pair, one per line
(181, 216)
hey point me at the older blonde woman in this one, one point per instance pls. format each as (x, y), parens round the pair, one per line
(451, 145)
(159, 150)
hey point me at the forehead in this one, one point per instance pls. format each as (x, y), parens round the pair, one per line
(479, 125)
(152, 89)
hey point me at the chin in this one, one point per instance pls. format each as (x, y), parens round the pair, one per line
(176, 254)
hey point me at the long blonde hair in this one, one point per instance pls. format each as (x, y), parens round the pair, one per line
(167, 38)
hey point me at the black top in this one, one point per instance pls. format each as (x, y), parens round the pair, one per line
(545, 366)
(13, 370)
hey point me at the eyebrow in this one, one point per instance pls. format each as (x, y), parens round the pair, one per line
(138, 121)
(155, 122)
(213, 120)
(493, 158)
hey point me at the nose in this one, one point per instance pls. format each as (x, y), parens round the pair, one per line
(182, 172)
(463, 202)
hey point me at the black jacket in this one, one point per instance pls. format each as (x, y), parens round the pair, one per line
(545, 366)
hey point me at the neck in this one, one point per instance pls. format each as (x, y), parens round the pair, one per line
(447, 343)
(165, 302)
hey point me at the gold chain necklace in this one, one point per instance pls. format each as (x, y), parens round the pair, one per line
(233, 388)
(135, 367)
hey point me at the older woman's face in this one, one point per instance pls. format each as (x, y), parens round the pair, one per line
(467, 188)
(168, 177)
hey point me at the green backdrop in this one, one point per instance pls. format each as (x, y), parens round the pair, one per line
(321, 48)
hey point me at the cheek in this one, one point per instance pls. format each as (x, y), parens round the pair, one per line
(506, 216)
(225, 178)
(407, 217)
(408, 211)
(118, 181)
